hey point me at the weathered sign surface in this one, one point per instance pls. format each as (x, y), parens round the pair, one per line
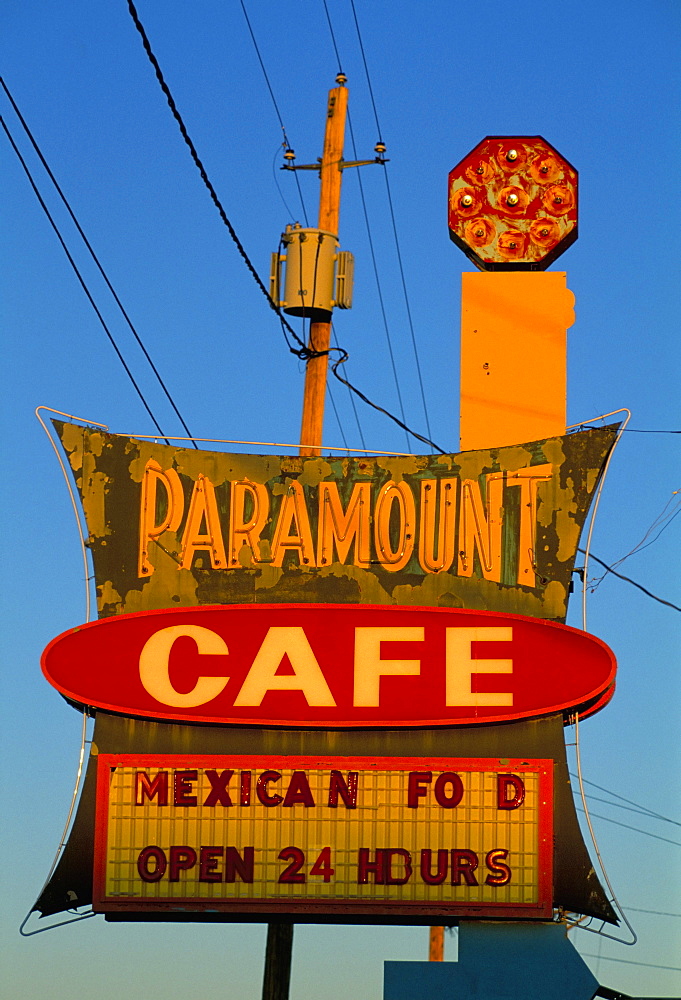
(385, 608)
(513, 203)
(495, 529)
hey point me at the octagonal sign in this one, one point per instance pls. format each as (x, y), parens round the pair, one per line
(513, 204)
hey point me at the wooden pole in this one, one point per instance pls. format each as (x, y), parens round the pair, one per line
(331, 175)
(278, 954)
(277, 976)
(436, 952)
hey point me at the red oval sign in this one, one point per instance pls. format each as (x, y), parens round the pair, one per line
(331, 666)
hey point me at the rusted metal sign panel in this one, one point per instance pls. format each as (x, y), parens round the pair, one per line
(331, 666)
(513, 203)
(339, 835)
(494, 529)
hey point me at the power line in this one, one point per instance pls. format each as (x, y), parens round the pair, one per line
(338, 420)
(629, 961)
(71, 261)
(351, 397)
(655, 913)
(634, 828)
(378, 282)
(637, 812)
(420, 437)
(333, 36)
(366, 68)
(303, 352)
(650, 812)
(621, 576)
(287, 144)
(394, 225)
(636, 430)
(662, 521)
(95, 258)
(276, 182)
(370, 239)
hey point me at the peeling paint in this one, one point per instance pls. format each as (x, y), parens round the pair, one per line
(110, 469)
(109, 601)
(314, 472)
(400, 467)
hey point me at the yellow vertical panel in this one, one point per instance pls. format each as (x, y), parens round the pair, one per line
(513, 356)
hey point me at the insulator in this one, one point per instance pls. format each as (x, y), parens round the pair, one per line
(289, 154)
(380, 147)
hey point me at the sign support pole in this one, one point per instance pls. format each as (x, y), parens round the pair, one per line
(436, 950)
(331, 174)
(277, 977)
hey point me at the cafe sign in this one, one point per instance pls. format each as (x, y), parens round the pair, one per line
(330, 687)
(331, 666)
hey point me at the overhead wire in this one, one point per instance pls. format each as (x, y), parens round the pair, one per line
(372, 252)
(276, 181)
(338, 419)
(649, 812)
(394, 224)
(587, 425)
(94, 257)
(628, 579)
(655, 913)
(351, 395)
(637, 812)
(81, 280)
(636, 829)
(629, 961)
(287, 144)
(365, 399)
(613, 897)
(303, 351)
(340, 69)
(662, 521)
(638, 430)
(379, 289)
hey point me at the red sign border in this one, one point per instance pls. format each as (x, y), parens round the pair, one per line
(592, 703)
(541, 910)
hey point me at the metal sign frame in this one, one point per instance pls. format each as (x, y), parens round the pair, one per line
(441, 799)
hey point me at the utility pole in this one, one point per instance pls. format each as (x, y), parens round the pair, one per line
(279, 951)
(331, 175)
(436, 949)
(331, 165)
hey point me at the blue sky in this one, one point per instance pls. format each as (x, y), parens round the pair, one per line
(600, 83)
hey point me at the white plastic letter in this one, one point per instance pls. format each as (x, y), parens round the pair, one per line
(306, 677)
(460, 666)
(154, 666)
(369, 667)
